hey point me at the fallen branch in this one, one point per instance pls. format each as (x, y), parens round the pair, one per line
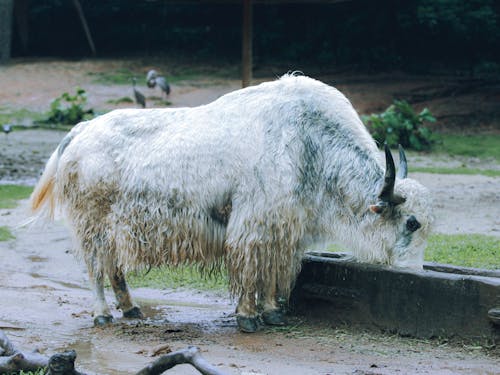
(6, 347)
(22, 361)
(12, 360)
(189, 355)
(63, 364)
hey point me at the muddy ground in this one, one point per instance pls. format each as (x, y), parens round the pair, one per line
(45, 301)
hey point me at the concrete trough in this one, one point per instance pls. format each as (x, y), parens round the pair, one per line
(440, 301)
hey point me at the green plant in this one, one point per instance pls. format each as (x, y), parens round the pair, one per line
(69, 109)
(399, 124)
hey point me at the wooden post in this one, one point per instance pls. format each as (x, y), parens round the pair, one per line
(6, 13)
(246, 55)
(79, 9)
(21, 17)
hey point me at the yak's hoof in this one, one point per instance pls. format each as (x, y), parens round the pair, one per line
(246, 324)
(274, 318)
(103, 320)
(134, 313)
(494, 315)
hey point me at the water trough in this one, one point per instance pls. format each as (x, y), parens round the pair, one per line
(440, 301)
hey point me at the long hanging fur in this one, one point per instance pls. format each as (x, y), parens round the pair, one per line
(249, 180)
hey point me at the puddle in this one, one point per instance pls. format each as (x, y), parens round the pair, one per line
(105, 358)
(37, 259)
(65, 284)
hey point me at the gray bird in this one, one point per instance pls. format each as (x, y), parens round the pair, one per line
(139, 97)
(151, 78)
(163, 84)
(7, 128)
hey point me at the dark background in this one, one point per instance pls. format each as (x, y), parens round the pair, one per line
(412, 35)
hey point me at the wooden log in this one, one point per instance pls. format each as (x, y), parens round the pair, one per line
(63, 364)
(22, 361)
(6, 347)
(190, 355)
(12, 360)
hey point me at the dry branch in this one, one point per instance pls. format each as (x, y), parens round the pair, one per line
(189, 355)
(12, 360)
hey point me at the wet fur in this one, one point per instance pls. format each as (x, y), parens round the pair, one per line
(248, 181)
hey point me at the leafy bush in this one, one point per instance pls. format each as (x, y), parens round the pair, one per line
(399, 124)
(69, 109)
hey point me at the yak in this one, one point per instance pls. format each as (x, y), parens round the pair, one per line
(247, 182)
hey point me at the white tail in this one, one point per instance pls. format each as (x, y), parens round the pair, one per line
(42, 199)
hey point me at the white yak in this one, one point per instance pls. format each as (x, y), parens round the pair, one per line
(247, 181)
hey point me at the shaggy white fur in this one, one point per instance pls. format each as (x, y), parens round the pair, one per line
(249, 180)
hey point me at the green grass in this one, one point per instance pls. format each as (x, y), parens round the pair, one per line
(5, 234)
(177, 277)
(458, 170)
(11, 194)
(16, 116)
(124, 99)
(117, 77)
(480, 146)
(467, 250)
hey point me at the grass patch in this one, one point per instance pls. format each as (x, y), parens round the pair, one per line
(124, 99)
(467, 250)
(177, 277)
(11, 194)
(480, 146)
(458, 170)
(19, 116)
(5, 234)
(117, 77)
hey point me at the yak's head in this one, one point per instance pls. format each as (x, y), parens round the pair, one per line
(404, 215)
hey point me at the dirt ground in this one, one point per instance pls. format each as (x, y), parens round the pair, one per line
(45, 301)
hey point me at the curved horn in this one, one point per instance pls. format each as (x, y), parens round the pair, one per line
(387, 194)
(403, 164)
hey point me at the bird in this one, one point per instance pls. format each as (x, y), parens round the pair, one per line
(151, 78)
(163, 84)
(7, 128)
(139, 97)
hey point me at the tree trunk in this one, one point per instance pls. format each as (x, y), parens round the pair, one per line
(6, 8)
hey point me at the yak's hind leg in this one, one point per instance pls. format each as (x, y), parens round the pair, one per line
(123, 298)
(102, 315)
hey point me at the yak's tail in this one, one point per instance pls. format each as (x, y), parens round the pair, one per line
(42, 200)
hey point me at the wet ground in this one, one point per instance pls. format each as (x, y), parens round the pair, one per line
(45, 302)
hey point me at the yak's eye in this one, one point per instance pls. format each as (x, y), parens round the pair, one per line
(412, 224)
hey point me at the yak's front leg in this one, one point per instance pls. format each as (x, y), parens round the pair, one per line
(123, 298)
(246, 313)
(272, 314)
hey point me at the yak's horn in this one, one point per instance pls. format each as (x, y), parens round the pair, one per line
(403, 164)
(387, 194)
